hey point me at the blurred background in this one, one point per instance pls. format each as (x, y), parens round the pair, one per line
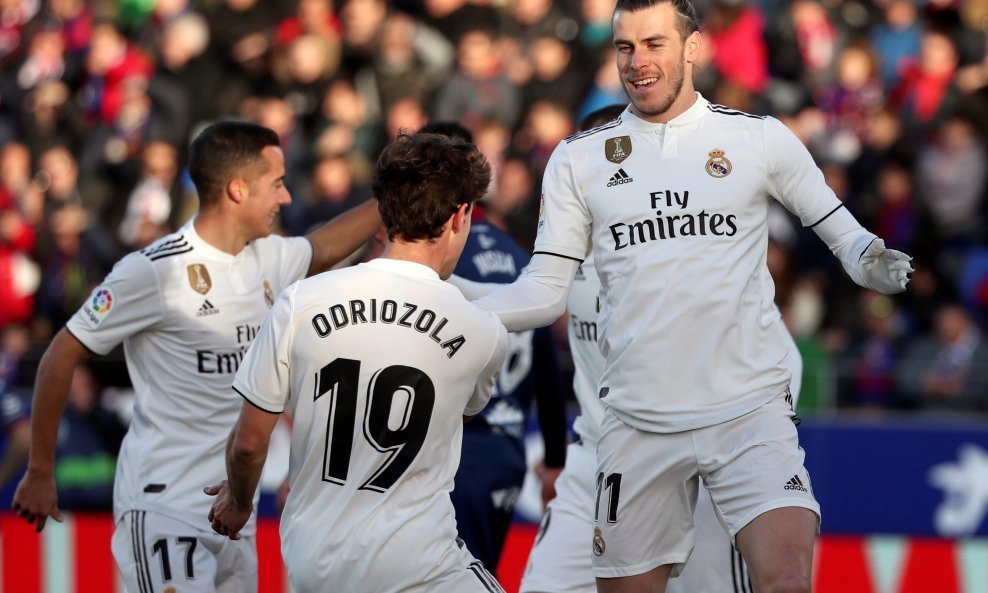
(99, 100)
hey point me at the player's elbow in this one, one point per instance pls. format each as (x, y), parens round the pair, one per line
(247, 446)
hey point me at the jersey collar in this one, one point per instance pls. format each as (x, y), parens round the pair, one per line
(694, 113)
(203, 247)
(404, 267)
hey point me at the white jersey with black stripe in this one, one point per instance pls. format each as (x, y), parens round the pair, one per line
(378, 364)
(677, 216)
(185, 312)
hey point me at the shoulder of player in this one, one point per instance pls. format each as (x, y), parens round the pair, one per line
(608, 127)
(166, 247)
(724, 111)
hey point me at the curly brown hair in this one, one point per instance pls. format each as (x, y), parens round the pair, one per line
(421, 179)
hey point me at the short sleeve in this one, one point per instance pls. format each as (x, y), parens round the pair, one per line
(795, 180)
(295, 257)
(485, 380)
(263, 378)
(564, 217)
(127, 302)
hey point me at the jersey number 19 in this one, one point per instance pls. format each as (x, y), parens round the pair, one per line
(392, 386)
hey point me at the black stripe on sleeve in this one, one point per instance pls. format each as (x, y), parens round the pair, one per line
(241, 394)
(576, 259)
(826, 216)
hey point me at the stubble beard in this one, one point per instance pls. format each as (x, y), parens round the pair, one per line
(670, 97)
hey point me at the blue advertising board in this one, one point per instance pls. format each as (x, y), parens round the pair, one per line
(899, 476)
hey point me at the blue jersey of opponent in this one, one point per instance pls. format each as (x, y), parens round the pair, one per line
(491, 255)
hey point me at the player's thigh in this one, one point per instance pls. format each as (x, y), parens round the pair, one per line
(155, 552)
(645, 491)
(560, 559)
(754, 464)
(714, 566)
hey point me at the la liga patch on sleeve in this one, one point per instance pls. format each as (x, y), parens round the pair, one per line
(100, 305)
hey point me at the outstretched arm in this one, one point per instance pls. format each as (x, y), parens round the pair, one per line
(864, 256)
(342, 235)
(35, 498)
(246, 451)
(537, 297)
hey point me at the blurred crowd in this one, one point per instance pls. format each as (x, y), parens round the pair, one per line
(100, 98)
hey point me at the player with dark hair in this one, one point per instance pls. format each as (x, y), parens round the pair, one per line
(672, 200)
(378, 364)
(186, 309)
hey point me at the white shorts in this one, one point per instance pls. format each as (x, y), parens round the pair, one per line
(560, 561)
(455, 571)
(155, 553)
(648, 483)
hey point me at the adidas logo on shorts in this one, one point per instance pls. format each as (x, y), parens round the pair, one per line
(795, 483)
(207, 308)
(619, 178)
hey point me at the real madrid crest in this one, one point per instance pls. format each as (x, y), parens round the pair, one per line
(717, 164)
(268, 294)
(617, 149)
(598, 542)
(199, 278)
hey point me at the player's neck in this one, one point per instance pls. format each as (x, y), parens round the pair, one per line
(220, 232)
(421, 252)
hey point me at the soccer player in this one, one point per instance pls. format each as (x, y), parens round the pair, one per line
(378, 364)
(493, 465)
(673, 198)
(186, 309)
(560, 560)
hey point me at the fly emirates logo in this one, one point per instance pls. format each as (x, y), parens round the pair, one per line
(671, 222)
(213, 362)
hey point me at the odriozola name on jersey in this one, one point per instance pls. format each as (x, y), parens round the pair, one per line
(669, 226)
(410, 315)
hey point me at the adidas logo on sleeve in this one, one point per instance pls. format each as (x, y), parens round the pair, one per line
(795, 483)
(619, 178)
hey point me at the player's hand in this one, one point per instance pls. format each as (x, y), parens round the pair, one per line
(885, 270)
(36, 499)
(225, 516)
(548, 477)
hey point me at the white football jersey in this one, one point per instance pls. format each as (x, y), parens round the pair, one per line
(677, 216)
(186, 313)
(378, 364)
(583, 305)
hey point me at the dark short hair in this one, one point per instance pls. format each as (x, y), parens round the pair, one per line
(225, 151)
(421, 179)
(451, 129)
(599, 117)
(688, 20)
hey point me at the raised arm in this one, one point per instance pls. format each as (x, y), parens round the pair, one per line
(537, 297)
(341, 236)
(864, 256)
(36, 498)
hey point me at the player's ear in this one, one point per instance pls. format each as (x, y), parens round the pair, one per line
(461, 218)
(236, 190)
(692, 47)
